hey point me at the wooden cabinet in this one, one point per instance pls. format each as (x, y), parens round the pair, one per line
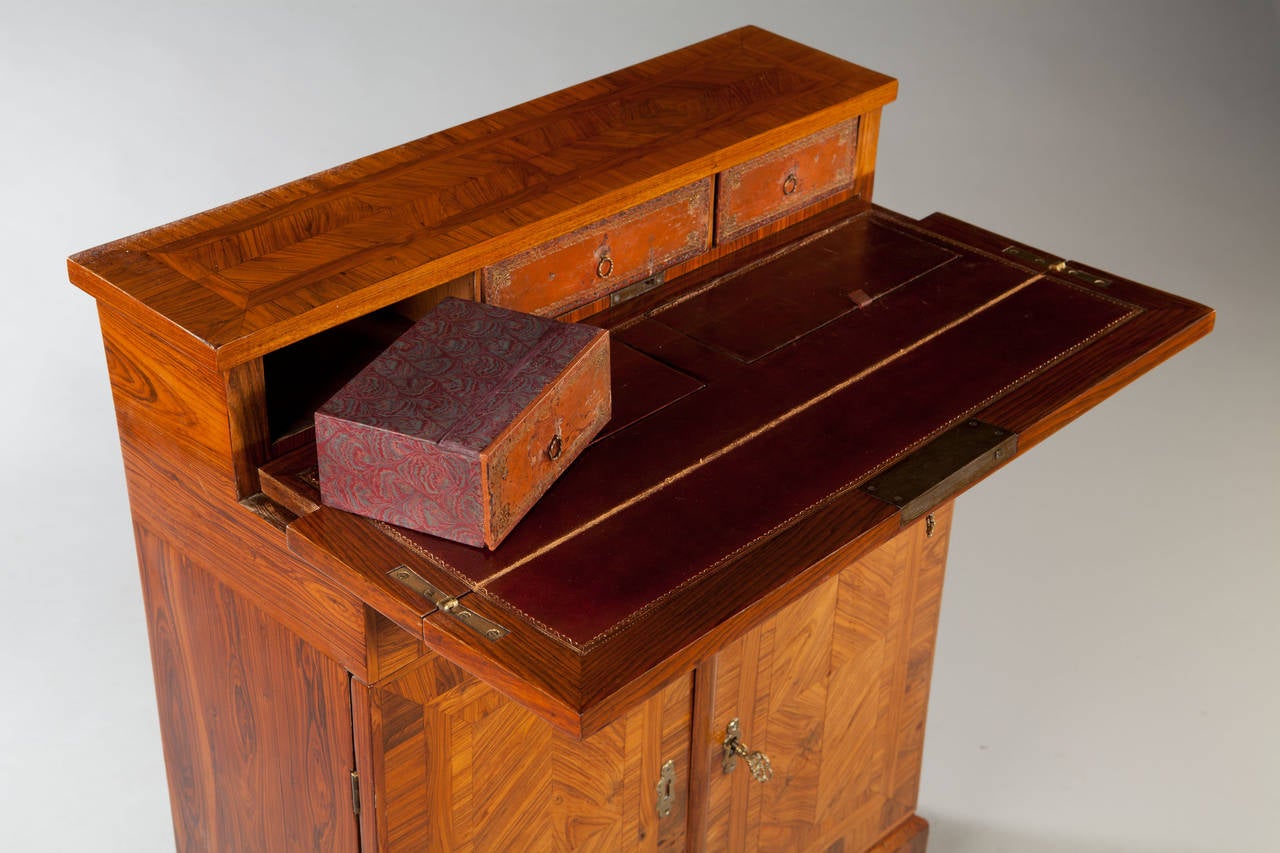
(833, 689)
(800, 388)
(459, 766)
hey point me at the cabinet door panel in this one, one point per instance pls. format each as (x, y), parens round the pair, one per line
(256, 722)
(833, 689)
(462, 768)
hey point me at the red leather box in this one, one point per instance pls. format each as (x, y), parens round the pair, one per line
(465, 421)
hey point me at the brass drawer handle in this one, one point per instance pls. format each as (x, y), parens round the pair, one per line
(605, 267)
(553, 449)
(757, 762)
(790, 184)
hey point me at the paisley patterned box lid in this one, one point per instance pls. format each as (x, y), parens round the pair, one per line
(411, 438)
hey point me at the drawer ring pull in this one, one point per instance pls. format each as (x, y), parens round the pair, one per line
(757, 762)
(790, 183)
(605, 267)
(554, 448)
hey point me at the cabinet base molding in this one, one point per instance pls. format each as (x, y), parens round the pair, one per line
(910, 836)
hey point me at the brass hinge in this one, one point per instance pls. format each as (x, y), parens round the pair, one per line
(631, 291)
(945, 466)
(1049, 263)
(447, 604)
(355, 792)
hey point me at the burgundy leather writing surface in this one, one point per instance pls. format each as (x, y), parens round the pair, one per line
(765, 307)
(791, 466)
(888, 336)
(642, 386)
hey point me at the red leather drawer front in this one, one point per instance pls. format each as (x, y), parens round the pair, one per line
(596, 260)
(760, 190)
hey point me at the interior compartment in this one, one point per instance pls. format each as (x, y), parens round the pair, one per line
(300, 377)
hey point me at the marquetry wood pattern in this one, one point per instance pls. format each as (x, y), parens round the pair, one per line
(256, 722)
(833, 689)
(462, 768)
(280, 265)
(927, 557)
(251, 646)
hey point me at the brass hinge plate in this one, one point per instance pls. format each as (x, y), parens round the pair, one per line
(447, 604)
(631, 291)
(958, 458)
(355, 792)
(1049, 263)
(1034, 259)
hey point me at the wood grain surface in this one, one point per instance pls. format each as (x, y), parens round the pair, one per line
(462, 768)
(256, 723)
(834, 690)
(273, 268)
(171, 412)
(910, 836)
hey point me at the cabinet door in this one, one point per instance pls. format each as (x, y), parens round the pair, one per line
(833, 689)
(256, 721)
(459, 767)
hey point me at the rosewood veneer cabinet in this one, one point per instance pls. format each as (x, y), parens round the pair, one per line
(715, 631)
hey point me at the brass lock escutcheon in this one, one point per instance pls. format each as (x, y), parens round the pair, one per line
(666, 788)
(757, 762)
(789, 184)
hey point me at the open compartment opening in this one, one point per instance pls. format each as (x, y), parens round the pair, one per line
(299, 378)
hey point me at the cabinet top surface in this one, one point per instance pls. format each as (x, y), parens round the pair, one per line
(273, 268)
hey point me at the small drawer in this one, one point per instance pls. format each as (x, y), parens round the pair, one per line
(536, 449)
(772, 185)
(596, 260)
